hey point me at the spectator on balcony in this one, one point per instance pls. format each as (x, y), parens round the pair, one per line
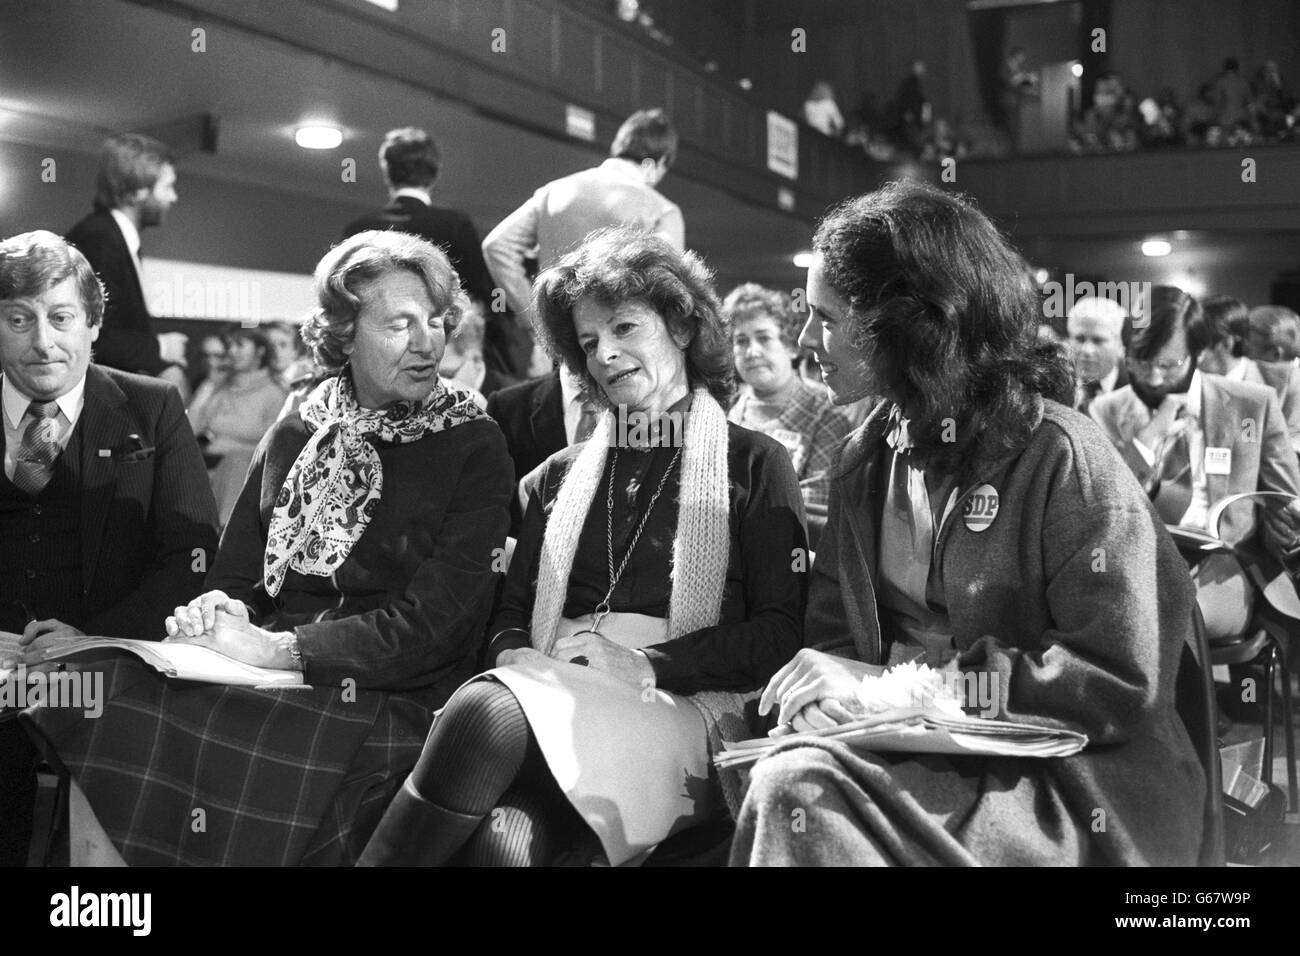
(559, 215)
(821, 112)
(1201, 116)
(1232, 98)
(1273, 102)
(1018, 86)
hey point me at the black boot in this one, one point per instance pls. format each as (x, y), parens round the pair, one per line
(417, 832)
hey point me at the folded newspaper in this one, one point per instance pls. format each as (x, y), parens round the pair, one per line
(918, 709)
(922, 731)
(174, 659)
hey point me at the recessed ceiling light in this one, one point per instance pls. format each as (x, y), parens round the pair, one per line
(318, 137)
(1156, 247)
(1041, 276)
(802, 260)
(1077, 69)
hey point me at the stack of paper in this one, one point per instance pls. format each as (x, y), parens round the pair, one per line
(175, 659)
(914, 730)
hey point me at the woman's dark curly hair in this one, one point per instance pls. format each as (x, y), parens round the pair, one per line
(622, 264)
(947, 317)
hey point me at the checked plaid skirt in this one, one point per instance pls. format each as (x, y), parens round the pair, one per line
(182, 773)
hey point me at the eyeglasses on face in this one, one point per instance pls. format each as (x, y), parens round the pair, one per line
(1165, 367)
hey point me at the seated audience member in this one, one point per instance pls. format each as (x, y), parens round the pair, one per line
(232, 422)
(288, 361)
(1192, 439)
(539, 418)
(914, 295)
(106, 520)
(463, 360)
(360, 555)
(651, 587)
(213, 369)
(1096, 329)
(1217, 349)
(774, 398)
(1273, 334)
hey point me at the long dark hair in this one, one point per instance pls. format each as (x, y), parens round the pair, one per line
(946, 314)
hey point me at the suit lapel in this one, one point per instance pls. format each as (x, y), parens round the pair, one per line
(104, 426)
(547, 419)
(1218, 427)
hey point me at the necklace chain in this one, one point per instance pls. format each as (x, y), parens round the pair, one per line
(602, 609)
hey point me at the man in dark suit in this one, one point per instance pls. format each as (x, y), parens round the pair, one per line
(136, 187)
(410, 161)
(1096, 328)
(107, 521)
(539, 418)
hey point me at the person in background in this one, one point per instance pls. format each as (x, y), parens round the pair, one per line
(213, 369)
(1232, 99)
(559, 215)
(410, 161)
(774, 398)
(232, 422)
(106, 519)
(1273, 334)
(135, 189)
(913, 108)
(463, 360)
(289, 362)
(1018, 86)
(1096, 329)
(1192, 439)
(1212, 340)
(821, 112)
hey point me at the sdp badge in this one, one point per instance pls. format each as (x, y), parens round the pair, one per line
(981, 508)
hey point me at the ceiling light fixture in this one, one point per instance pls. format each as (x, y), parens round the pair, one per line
(802, 260)
(1156, 248)
(318, 137)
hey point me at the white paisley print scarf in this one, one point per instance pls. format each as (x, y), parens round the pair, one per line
(335, 484)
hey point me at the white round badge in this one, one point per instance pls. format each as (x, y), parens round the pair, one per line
(981, 508)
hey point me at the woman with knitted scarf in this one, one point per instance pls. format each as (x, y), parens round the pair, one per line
(657, 581)
(981, 525)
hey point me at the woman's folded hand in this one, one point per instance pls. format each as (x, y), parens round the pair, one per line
(199, 616)
(602, 654)
(813, 677)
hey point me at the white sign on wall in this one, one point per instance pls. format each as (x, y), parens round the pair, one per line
(782, 145)
(580, 123)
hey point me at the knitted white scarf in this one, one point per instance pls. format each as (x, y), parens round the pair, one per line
(700, 545)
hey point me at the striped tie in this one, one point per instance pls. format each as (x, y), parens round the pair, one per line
(33, 467)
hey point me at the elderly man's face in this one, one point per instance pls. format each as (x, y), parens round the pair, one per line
(45, 341)
(1266, 347)
(1095, 343)
(399, 340)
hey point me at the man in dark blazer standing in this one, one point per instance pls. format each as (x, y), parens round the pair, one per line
(136, 187)
(107, 521)
(410, 161)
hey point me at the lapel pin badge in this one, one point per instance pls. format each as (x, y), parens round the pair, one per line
(981, 508)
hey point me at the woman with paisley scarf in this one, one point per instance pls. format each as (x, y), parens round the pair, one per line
(657, 581)
(360, 553)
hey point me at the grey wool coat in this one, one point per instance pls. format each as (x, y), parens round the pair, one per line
(1074, 598)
